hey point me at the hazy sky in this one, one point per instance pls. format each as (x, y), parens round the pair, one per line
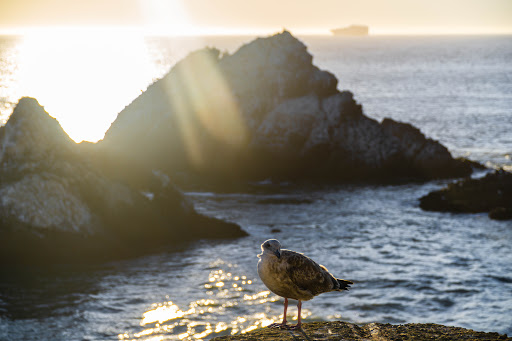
(316, 16)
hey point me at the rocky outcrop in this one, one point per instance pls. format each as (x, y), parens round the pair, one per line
(60, 202)
(492, 193)
(267, 112)
(337, 331)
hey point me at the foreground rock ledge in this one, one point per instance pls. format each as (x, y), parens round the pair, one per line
(372, 331)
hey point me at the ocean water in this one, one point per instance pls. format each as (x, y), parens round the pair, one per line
(408, 265)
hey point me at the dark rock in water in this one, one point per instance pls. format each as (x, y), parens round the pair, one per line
(337, 330)
(492, 193)
(60, 203)
(473, 164)
(501, 213)
(267, 112)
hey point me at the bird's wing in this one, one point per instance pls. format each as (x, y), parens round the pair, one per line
(307, 274)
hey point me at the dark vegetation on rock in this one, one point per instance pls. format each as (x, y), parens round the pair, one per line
(266, 112)
(340, 331)
(492, 193)
(60, 202)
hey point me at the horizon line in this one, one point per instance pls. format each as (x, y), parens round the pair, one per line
(214, 31)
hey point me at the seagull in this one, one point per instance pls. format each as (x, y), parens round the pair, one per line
(292, 275)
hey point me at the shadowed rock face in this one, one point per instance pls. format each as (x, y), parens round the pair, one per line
(60, 202)
(492, 193)
(337, 331)
(267, 112)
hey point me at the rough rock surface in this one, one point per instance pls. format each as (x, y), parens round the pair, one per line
(60, 202)
(267, 112)
(340, 331)
(492, 193)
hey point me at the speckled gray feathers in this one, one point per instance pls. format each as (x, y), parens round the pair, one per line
(293, 275)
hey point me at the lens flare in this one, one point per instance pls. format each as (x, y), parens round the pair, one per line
(205, 107)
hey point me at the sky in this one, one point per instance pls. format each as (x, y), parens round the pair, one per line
(259, 16)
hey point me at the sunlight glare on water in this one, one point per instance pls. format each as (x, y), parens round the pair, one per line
(224, 292)
(83, 77)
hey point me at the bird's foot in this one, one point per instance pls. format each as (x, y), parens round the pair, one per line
(279, 326)
(284, 326)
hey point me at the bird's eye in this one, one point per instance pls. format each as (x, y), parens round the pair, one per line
(266, 245)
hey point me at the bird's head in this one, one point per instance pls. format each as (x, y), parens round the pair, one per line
(271, 246)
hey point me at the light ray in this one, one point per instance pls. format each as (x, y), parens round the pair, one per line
(204, 106)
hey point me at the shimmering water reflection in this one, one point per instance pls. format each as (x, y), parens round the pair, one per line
(226, 292)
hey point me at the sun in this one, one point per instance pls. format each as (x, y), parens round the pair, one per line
(84, 77)
(167, 17)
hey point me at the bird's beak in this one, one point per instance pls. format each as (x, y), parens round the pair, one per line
(278, 254)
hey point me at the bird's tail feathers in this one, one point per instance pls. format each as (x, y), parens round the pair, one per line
(343, 284)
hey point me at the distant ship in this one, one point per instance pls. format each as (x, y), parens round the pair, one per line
(352, 30)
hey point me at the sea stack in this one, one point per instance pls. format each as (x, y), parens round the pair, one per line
(267, 112)
(61, 203)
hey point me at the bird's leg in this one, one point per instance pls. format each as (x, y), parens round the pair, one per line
(299, 323)
(284, 313)
(282, 324)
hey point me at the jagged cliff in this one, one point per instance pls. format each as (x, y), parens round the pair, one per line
(60, 202)
(267, 111)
